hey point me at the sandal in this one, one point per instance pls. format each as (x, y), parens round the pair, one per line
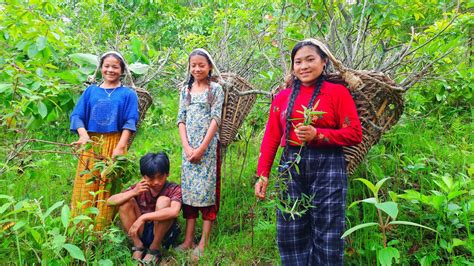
(155, 257)
(197, 253)
(180, 248)
(139, 249)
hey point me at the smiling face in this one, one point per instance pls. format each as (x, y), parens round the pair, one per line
(111, 69)
(308, 65)
(199, 67)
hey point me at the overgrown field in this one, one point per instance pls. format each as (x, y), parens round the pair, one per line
(430, 155)
(416, 182)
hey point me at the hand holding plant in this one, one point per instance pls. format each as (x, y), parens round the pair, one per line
(306, 131)
(261, 187)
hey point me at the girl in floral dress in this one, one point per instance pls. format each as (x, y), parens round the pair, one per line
(199, 117)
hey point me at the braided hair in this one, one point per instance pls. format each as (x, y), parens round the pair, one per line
(210, 96)
(296, 84)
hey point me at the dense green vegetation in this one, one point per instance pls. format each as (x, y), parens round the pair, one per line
(428, 156)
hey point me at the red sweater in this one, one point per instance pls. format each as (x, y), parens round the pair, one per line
(339, 126)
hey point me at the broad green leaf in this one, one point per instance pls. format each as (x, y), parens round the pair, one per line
(357, 227)
(139, 68)
(412, 224)
(2, 196)
(105, 262)
(380, 183)
(65, 215)
(80, 218)
(52, 208)
(32, 51)
(136, 46)
(369, 185)
(458, 242)
(389, 208)
(41, 43)
(368, 200)
(36, 236)
(5, 207)
(18, 225)
(387, 255)
(456, 194)
(74, 251)
(393, 196)
(4, 87)
(42, 109)
(448, 181)
(85, 59)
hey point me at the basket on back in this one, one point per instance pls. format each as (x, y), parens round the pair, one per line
(379, 103)
(236, 106)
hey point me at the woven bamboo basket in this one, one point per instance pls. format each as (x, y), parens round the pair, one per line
(236, 106)
(379, 102)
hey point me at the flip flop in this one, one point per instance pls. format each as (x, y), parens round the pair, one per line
(139, 249)
(181, 249)
(197, 253)
(155, 257)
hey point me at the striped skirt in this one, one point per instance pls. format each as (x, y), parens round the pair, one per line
(90, 188)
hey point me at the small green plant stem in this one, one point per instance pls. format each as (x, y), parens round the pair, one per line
(292, 163)
(20, 261)
(34, 251)
(382, 228)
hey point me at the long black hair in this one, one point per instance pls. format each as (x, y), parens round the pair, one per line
(296, 83)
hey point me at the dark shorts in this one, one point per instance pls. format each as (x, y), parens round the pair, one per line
(169, 239)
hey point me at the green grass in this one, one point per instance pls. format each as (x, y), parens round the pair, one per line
(415, 153)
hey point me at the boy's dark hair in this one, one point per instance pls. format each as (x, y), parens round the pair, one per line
(154, 163)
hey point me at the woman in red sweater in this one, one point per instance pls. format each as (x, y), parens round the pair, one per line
(315, 237)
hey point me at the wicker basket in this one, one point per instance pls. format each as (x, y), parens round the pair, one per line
(379, 103)
(236, 106)
(144, 102)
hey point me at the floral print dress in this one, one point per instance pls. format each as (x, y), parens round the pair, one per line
(198, 181)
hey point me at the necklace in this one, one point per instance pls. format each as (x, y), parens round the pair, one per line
(110, 93)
